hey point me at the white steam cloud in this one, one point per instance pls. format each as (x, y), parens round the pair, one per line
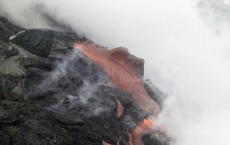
(216, 12)
(184, 56)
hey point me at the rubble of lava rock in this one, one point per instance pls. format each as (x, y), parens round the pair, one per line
(51, 94)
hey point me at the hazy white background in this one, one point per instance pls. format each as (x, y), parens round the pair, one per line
(185, 44)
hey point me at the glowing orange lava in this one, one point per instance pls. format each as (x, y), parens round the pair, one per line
(120, 72)
(143, 128)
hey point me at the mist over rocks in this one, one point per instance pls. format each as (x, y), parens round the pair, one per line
(51, 94)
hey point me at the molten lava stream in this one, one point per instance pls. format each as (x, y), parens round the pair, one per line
(120, 73)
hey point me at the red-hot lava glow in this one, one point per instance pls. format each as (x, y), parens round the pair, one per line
(120, 73)
(143, 128)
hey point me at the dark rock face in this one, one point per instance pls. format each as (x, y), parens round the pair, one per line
(37, 42)
(7, 29)
(52, 95)
(156, 139)
(7, 51)
(24, 124)
(156, 94)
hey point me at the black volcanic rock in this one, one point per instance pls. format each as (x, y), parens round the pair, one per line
(157, 138)
(7, 29)
(24, 124)
(37, 42)
(50, 94)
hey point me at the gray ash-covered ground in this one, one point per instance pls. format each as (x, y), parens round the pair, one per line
(52, 95)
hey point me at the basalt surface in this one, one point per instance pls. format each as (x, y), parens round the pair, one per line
(51, 94)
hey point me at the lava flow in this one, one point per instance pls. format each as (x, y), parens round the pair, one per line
(120, 73)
